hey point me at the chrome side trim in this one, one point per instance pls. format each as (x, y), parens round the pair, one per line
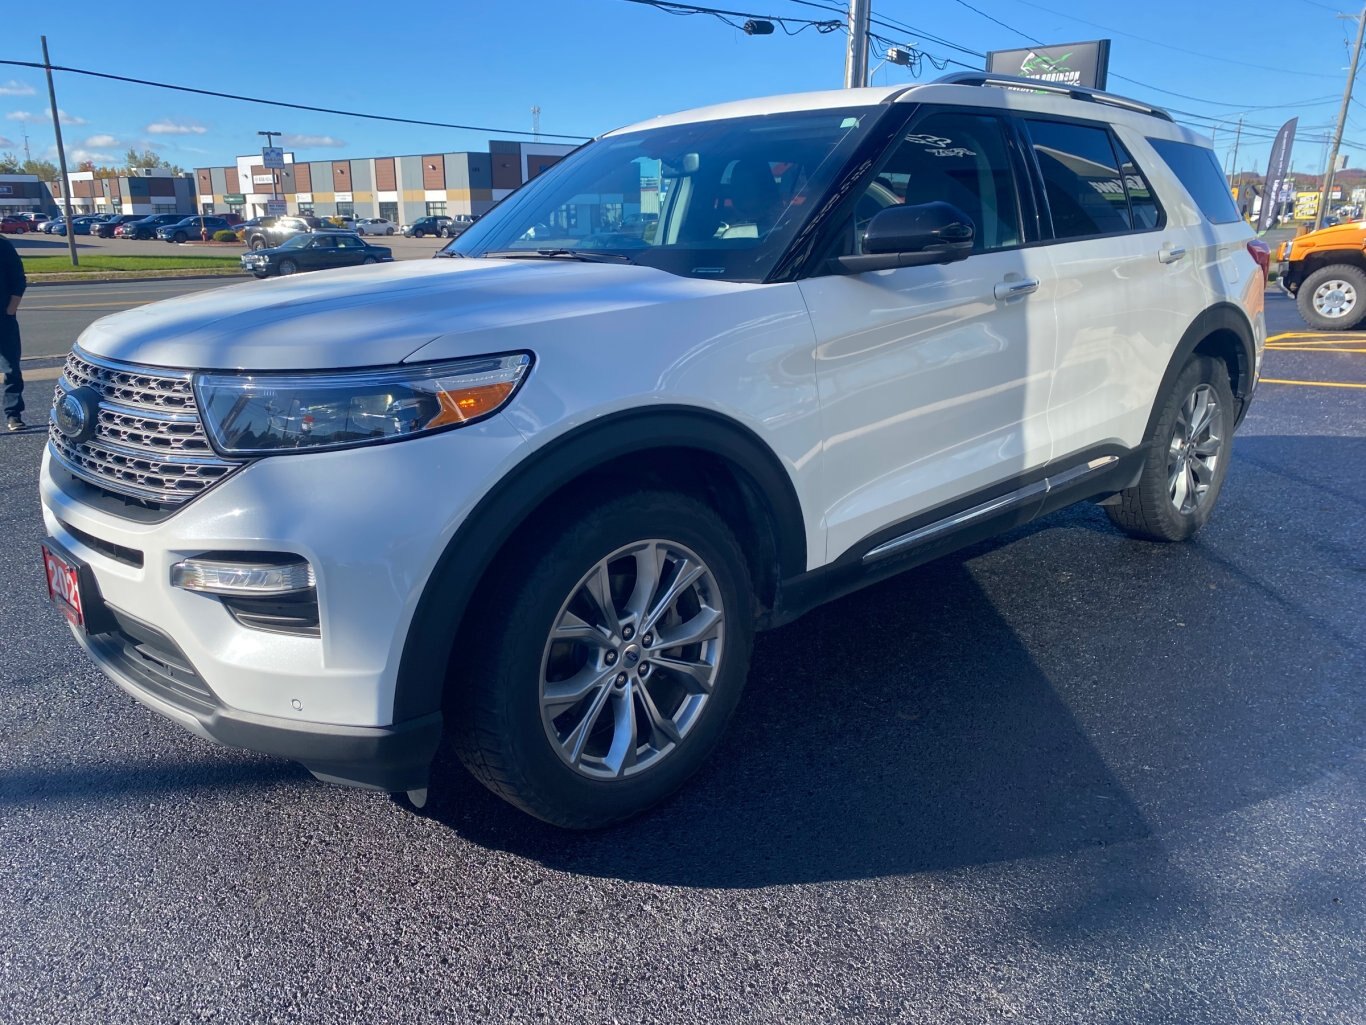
(1006, 501)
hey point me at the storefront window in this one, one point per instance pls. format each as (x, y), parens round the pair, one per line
(436, 209)
(389, 211)
(346, 209)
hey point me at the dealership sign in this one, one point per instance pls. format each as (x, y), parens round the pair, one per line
(1084, 64)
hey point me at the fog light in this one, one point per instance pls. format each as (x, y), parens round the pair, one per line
(242, 578)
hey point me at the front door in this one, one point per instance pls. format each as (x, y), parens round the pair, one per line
(934, 380)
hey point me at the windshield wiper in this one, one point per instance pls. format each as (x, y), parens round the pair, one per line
(584, 255)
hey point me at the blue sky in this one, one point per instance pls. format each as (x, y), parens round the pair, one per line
(592, 65)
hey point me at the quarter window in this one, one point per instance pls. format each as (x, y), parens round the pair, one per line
(1088, 193)
(1202, 176)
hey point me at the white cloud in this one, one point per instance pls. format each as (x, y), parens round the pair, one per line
(175, 128)
(15, 88)
(6, 143)
(101, 140)
(304, 141)
(80, 156)
(29, 117)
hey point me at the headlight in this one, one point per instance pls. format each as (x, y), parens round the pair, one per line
(269, 413)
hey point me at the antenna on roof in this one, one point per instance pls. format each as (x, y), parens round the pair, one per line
(536, 123)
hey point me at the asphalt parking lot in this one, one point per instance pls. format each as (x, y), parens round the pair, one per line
(1060, 777)
(39, 244)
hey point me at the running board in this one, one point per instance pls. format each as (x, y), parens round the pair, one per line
(1007, 501)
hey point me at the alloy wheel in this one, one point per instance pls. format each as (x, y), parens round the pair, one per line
(1195, 450)
(1335, 298)
(632, 659)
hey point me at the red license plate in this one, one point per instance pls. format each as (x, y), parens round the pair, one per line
(64, 586)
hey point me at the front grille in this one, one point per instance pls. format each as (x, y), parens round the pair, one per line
(149, 443)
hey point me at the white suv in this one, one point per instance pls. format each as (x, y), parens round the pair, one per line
(538, 496)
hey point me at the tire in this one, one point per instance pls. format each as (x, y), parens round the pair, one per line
(287, 267)
(419, 234)
(389, 231)
(1333, 298)
(257, 244)
(180, 237)
(501, 729)
(1167, 504)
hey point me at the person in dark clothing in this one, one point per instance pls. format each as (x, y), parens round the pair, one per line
(12, 284)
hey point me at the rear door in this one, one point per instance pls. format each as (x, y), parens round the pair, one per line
(934, 380)
(1128, 285)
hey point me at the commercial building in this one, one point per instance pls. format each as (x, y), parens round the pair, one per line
(147, 190)
(399, 188)
(21, 192)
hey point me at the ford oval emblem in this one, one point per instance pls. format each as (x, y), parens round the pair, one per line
(76, 413)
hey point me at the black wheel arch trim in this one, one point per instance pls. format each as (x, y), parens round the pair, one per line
(497, 516)
(1220, 317)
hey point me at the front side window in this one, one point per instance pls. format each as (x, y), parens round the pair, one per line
(718, 199)
(957, 158)
(1089, 193)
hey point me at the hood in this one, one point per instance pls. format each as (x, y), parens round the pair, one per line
(373, 316)
(1339, 236)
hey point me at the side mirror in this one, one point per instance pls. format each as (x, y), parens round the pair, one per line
(911, 236)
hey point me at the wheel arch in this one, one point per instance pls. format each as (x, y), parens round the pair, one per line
(712, 454)
(1224, 332)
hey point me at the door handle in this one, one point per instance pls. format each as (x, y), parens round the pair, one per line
(1014, 289)
(1170, 253)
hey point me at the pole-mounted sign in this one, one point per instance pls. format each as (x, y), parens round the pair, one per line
(1085, 64)
(272, 157)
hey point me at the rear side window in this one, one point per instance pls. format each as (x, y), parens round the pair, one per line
(1202, 176)
(1093, 185)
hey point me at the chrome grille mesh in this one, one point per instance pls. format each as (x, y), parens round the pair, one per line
(149, 443)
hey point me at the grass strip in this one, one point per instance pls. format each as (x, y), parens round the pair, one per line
(38, 265)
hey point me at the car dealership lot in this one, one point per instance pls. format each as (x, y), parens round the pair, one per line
(46, 245)
(1063, 776)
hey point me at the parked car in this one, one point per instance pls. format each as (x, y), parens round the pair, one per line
(13, 224)
(79, 225)
(50, 227)
(146, 228)
(375, 226)
(568, 475)
(424, 226)
(319, 250)
(270, 232)
(107, 227)
(456, 225)
(192, 228)
(1325, 272)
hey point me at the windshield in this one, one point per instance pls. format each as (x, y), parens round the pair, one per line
(715, 199)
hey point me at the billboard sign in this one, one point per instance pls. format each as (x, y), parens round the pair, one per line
(1306, 206)
(275, 208)
(1085, 64)
(272, 157)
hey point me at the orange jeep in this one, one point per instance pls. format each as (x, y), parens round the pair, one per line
(1325, 271)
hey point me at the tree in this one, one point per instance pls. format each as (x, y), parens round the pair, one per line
(132, 160)
(46, 170)
(9, 163)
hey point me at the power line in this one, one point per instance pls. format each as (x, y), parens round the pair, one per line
(1168, 46)
(685, 10)
(283, 103)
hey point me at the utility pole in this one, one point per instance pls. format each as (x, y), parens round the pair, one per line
(1237, 138)
(856, 58)
(61, 155)
(536, 123)
(1342, 120)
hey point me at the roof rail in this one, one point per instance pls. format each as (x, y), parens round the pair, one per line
(1076, 92)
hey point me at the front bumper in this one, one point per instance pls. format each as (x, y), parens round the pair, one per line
(371, 521)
